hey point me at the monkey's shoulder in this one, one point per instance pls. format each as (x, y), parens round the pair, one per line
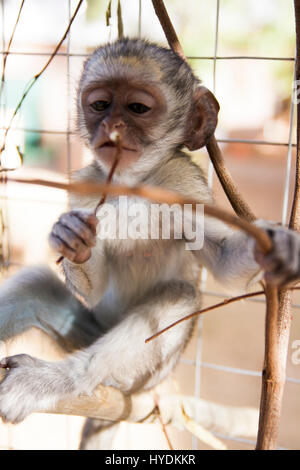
(182, 175)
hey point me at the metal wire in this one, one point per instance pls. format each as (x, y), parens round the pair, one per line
(197, 388)
(191, 57)
(222, 141)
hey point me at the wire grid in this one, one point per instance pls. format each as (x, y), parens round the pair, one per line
(197, 363)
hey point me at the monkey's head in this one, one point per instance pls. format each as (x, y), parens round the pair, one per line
(150, 96)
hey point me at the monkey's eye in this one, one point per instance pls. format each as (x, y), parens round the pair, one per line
(99, 105)
(138, 108)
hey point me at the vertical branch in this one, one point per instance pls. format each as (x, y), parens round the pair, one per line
(120, 21)
(295, 215)
(167, 27)
(275, 337)
(266, 435)
(239, 205)
(235, 198)
(272, 378)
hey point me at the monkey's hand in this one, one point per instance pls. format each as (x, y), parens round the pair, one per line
(74, 235)
(30, 384)
(282, 264)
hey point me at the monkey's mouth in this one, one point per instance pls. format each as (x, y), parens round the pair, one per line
(111, 144)
(108, 144)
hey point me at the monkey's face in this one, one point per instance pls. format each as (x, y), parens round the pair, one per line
(129, 107)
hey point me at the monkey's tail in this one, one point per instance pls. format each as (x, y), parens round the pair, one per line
(35, 297)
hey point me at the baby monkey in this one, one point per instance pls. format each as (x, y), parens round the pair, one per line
(121, 290)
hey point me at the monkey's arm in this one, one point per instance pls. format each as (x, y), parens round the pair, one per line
(234, 260)
(74, 236)
(88, 279)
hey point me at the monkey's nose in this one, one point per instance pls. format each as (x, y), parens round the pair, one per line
(113, 125)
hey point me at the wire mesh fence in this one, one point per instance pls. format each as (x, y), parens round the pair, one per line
(207, 368)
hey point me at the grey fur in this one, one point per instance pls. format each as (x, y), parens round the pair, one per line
(127, 297)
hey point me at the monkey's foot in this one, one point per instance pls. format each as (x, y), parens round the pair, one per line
(29, 385)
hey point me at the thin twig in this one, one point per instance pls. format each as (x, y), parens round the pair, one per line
(204, 310)
(111, 172)
(5, 54)
(159, 195)
(225, 302)
(38, 75)
(117, 157)
(163, 426)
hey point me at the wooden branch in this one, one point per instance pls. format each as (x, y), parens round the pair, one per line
(236, 200)
(269, 422)
(167, 27)
(272, 386)
(241, 208)
(295, 215)
(274, 373)
(104, 403)
(159, 195)
(110, 404)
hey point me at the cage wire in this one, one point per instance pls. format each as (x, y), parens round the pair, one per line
(197, 363)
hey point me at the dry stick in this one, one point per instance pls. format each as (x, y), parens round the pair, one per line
(269, 418)
(274, 376)
(159, 195)
(239, 205)
(225, 302)
(120, 21)
(168, 28)
(295, 215)
(204, 310)
(5, 54)
(163, 426)
(116, 138)
(37, 76)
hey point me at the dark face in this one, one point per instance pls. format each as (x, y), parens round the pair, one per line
(133, 109)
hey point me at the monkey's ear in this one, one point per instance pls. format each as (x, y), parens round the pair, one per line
(204, 119)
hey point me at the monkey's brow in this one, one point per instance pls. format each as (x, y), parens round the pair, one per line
(109, 82)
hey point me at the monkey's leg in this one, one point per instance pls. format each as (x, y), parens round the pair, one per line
(119, 358)
(98, 434)
(36, 297)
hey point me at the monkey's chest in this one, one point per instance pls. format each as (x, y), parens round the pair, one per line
(131, 222)
(134, 269)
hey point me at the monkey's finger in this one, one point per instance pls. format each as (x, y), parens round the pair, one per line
(88, 218)
(77, 257)
(70, 238)
(81, 229)
(61, 247)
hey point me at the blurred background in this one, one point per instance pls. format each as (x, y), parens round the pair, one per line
(244, 52)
